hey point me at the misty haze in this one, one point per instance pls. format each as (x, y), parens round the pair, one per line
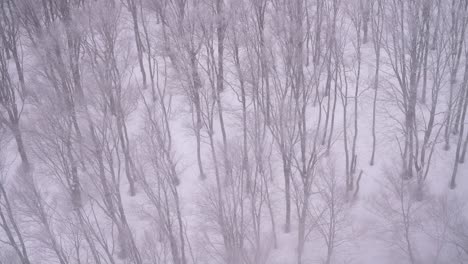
(233, 131)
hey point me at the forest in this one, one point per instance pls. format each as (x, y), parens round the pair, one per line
(233, 131)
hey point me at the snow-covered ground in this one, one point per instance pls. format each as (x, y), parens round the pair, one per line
(116, 131)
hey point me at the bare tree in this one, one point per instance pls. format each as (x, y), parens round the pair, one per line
(8, 220)
(366, 9)
(110, 135)
(446, 226)
(10, 33)
(34, 209)
(459, 154)
(400, 213)
(12, 94)
(356, 16)
(332, 71)
(273, 93)
(377, 23)
(111, 74)
(182, 45)
(162, 190)
(132, 7)
(458, 25)
(405, 36)
(331, 213)
(433, 127)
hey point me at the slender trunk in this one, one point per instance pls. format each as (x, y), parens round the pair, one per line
(220, 31)
(318, 27)
(220, 202)
(460, 140)
(19, 246)
(20, 143)
(245, 160)
(365, 20)
(149, 56)
(302, 225)
(459, 106)
(374, 106)
(465, 146)
(181, 228)
(344, 100)
(356, 93)
(327, 93)
(196, 102)
(139, 43)
(448, 123)
(19, 69)
(332, 125)
(425, 56)
(75, 187)
(287, 188)
(263, 59)
(270, 210)
(408, 244)
(125, 232)
(121, 129)
(227, 163)
(435, 35)
(410, 126)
